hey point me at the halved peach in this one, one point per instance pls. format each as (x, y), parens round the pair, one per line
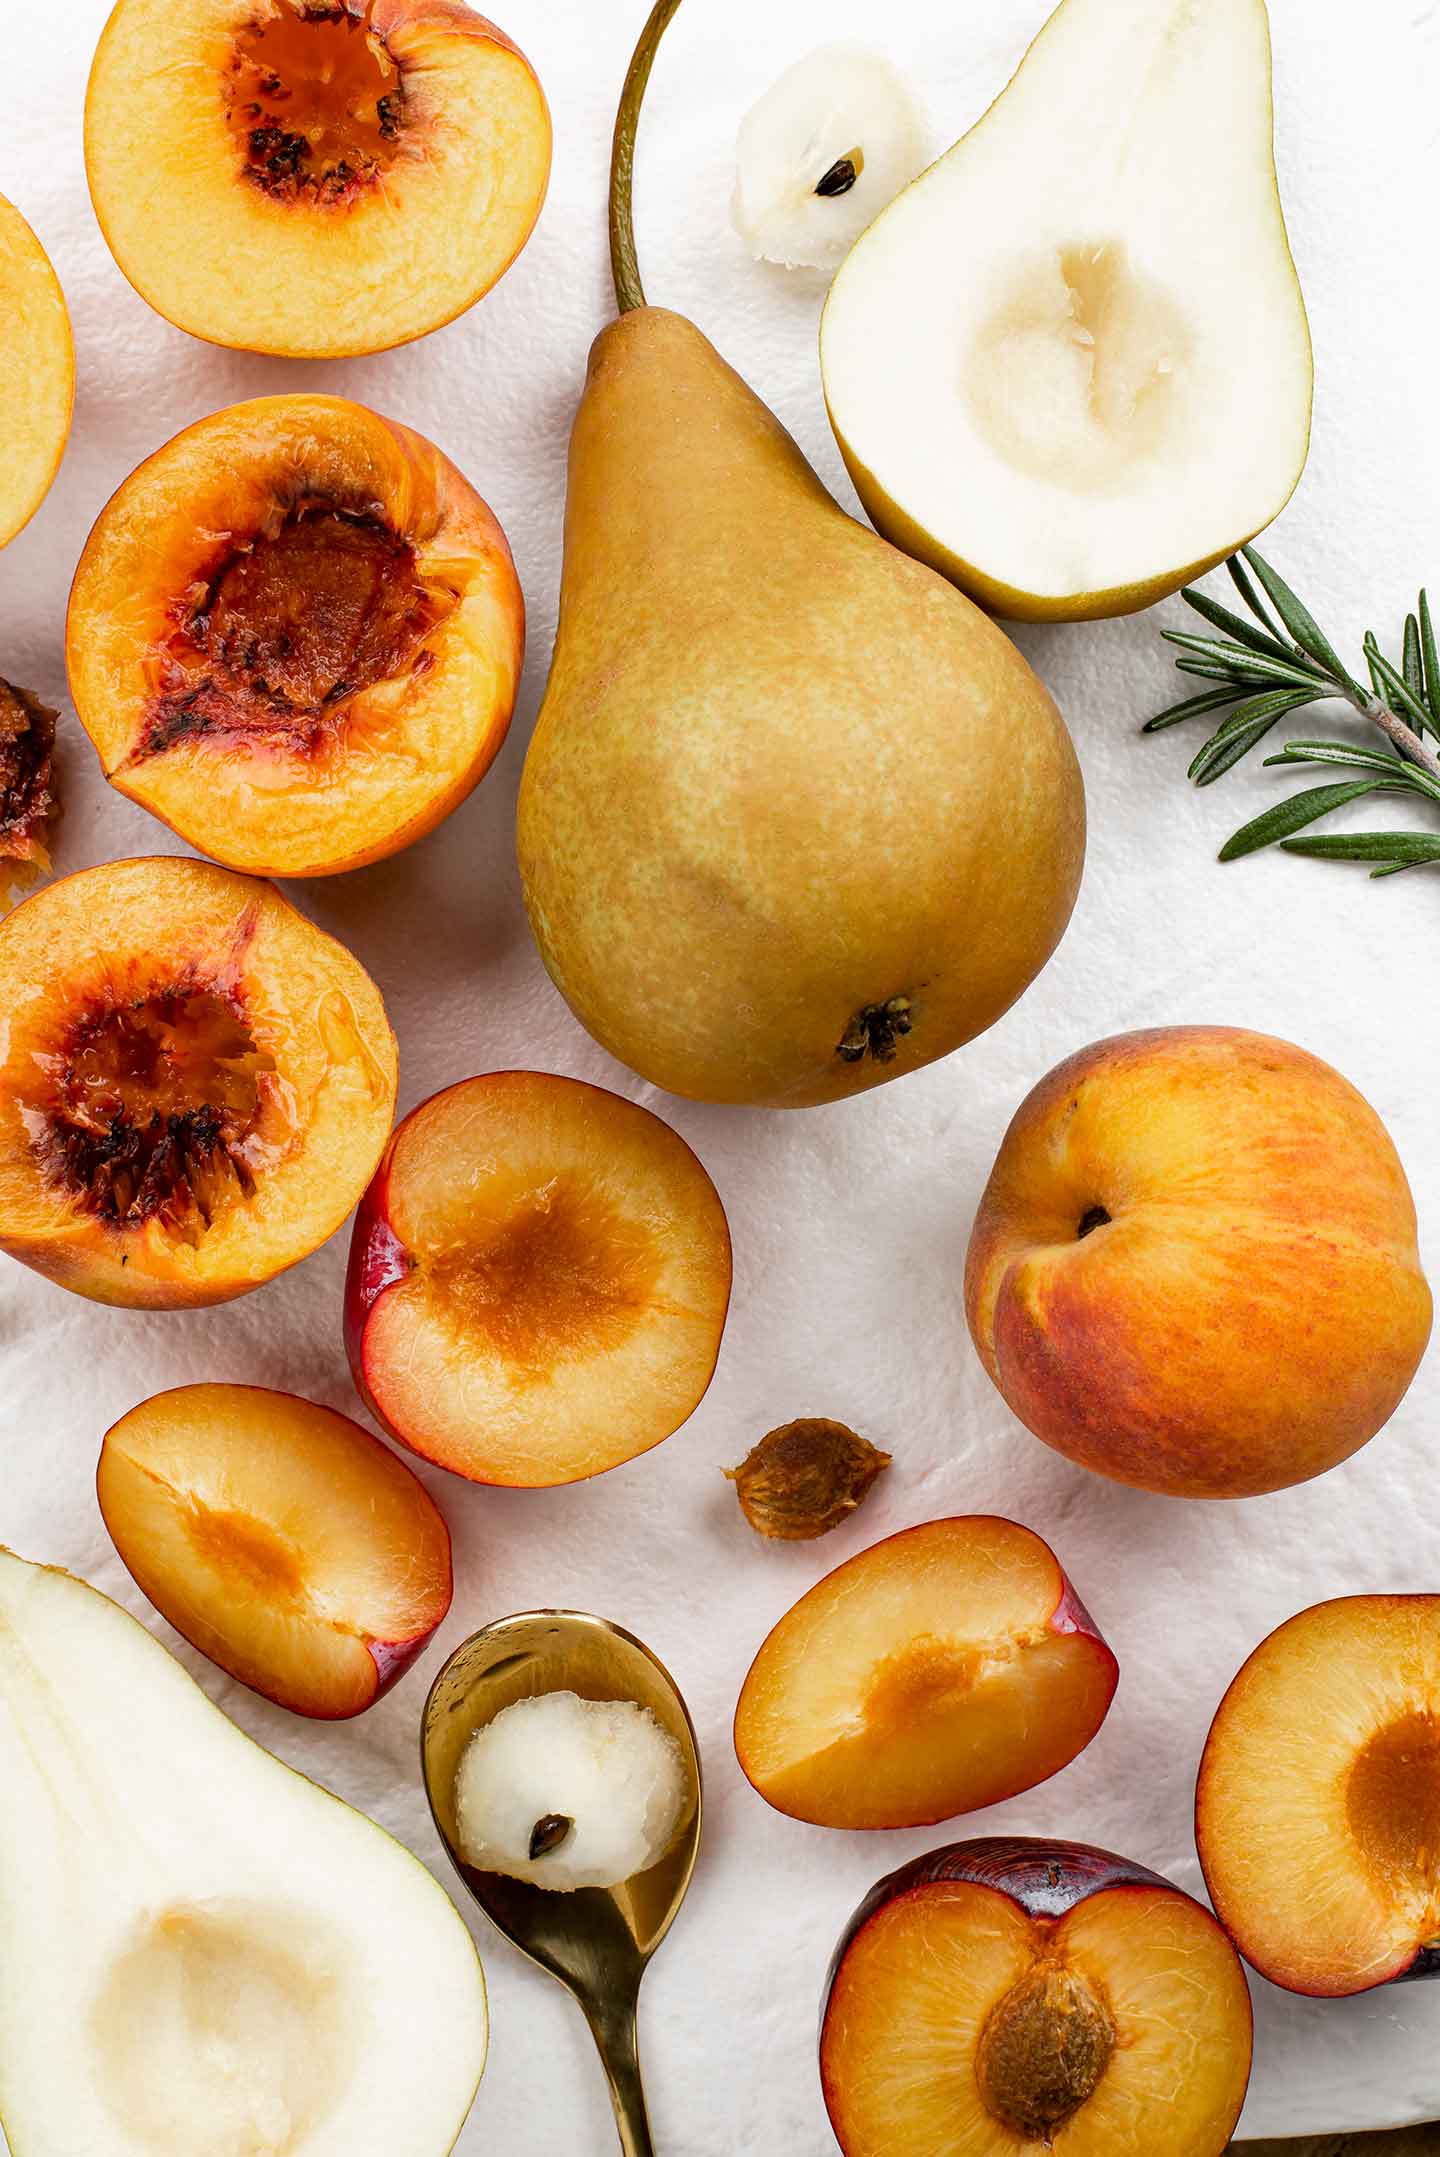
(28, 802)
(296, 635)
(1012, 1995)
(37, 372)
(280, 1538)
(946, 1668)
(539, 1279)
(313, 177)
(1317, 1812)
(195, 1083)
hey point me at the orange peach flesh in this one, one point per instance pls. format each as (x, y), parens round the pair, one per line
(942, 1670)
(1318, 1806)
(195, 1083)
(281, 1539)
(1195, 1266)
(313, 180)
(37, 373)
(28, 802)
(915, 2003)
(296, 635)
(563, 1287)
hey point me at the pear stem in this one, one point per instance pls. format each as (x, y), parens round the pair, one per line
(624, 262)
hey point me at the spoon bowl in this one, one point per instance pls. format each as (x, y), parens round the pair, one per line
(596, 1941)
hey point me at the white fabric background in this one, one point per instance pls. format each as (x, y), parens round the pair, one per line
(850, 1223)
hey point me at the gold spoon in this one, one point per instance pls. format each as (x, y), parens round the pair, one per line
(597, 1941)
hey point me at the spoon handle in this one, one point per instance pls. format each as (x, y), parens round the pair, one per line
(615, 2025)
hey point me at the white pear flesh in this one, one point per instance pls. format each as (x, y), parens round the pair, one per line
(1070, 366)
(841, 102)
(205, 1955)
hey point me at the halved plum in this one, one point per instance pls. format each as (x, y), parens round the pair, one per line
(313, 177)
(37, 372)
(539, 1280)
(296, 635)
(944, 1669)
(1317, 1811)
(1010, 1995)
(280, 1538)
(195, 1083)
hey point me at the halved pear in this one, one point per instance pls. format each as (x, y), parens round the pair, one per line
(205, 1954)
(1070, 367)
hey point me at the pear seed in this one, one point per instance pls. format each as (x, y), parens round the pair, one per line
(548, 1834)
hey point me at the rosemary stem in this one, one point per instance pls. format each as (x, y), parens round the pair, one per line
(1406, 740)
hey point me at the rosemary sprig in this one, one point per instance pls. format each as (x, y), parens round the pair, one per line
(1265, 667)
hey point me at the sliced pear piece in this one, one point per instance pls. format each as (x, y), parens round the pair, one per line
(1070, 367)
(827, 147)
(205, 1954)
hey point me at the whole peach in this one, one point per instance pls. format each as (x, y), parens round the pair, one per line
(1194, 1268)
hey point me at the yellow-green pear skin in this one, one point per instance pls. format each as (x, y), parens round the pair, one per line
(797, 818)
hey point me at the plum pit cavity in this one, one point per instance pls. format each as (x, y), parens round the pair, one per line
(1393, 1808)
(559, 1275)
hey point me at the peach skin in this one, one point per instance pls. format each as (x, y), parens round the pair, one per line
(1194, 1268)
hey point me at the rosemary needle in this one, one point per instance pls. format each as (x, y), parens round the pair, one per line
(1273, 660)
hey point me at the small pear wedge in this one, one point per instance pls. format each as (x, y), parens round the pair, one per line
(205, 1954)
(1069, 367)
(796, 818)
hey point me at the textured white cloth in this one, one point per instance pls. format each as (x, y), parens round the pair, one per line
(850, 1223)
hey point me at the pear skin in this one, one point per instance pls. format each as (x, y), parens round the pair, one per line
(797, 818)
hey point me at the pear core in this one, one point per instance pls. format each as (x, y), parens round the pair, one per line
(315, 102)
(1043, 2052)
(214, 2041)
(153, 1107)
(1078, 371)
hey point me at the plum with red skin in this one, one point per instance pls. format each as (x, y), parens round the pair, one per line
(539, 1281)
(943, 1669)
(280, 1538)
(1317, 1804)
(1008, 1992)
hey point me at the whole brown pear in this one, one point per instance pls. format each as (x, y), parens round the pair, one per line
(797, 818)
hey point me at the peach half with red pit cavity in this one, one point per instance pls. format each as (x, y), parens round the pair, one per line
(313, 178)
(195, 1083)
(539, 1280)
(296, 635)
